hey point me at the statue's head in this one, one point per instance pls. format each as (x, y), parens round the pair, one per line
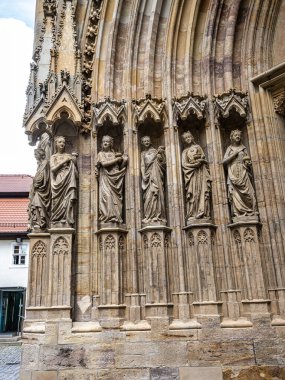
(107, 142)
(187, 137)
(235, 135)
(146, 141)
(59, 143)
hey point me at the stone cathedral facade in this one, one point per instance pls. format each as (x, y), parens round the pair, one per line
(157, 233)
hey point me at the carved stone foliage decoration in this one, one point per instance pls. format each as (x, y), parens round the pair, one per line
(153, 166)
(279, 104)
(197, 180)
(109, 109)
(149, 107)
(39, 249)
(111, 169)
(239, 179)
(231, 100)
(63, 185)
(88, 58)
(190, 103)
(60, 246)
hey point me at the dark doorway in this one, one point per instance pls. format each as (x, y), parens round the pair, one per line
(11, 311)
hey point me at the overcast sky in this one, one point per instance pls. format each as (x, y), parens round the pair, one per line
(16, 41)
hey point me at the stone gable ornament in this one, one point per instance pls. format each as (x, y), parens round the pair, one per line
(40, 194)
(197, 180)
(110, 169)
(239, 179)
(153, 165)
(64, 177)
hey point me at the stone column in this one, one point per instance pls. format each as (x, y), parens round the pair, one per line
(112, 248)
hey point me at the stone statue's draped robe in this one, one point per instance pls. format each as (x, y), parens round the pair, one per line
(111, 180)
(153, 169)
(197, 183)
(241, 191)
(64, 189)
(40, 196)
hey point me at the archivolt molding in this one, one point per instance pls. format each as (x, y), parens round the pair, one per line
(109, 109)
(187, 104)
(232, 100)
(88, 58)
(153, 108)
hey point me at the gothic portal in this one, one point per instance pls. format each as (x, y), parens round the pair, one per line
(157, 209)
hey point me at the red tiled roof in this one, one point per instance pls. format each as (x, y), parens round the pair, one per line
(13, 214)
(15, 183)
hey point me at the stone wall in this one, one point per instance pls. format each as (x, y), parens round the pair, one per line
(156, 214)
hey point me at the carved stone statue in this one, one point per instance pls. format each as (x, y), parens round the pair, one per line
(111, 169)
(45, 144)
(63, 185)
(197, 179)
(40, 194)
(240, 188)
(153, 163)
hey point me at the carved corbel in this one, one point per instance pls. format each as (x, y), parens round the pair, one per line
(228, 101)
(149, 107)
(279, 104)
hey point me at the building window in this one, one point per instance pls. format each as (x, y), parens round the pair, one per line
(19, 253)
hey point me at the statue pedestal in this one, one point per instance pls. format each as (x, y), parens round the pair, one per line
(155, 246)
(247, 266)
(52, 276)
(200, 267)
(112, 255)
(277, 298)
(38, 270)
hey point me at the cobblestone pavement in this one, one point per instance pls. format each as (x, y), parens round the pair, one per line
(10, 356)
